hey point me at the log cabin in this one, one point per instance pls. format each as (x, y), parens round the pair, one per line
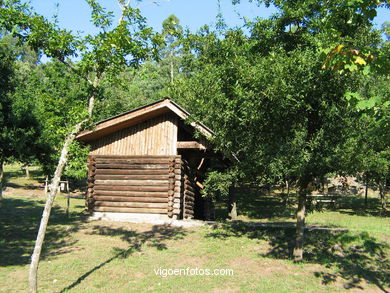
(148, 164)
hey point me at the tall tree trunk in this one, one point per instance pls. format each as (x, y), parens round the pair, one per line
(366, 194)
(288, 188)
(171, 53)
(46, 212)
(1, 176)
(33, 273)
(382, 193)
(300, 228)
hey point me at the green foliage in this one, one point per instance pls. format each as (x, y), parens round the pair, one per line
(60, 102)
(217, 183)
(76, 166)
(62, 90)
(19, 127)
(132, 88)
(269, 101)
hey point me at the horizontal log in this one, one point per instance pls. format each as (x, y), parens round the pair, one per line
(190, 145)
(133, 161)
(189, 205)
(132, 166)
(131, 177)
(91, 168)
(131, 199)
(130, 193)
(131, 204)
(189, 199)
(131, 172)
(186, 192)
(130, 210)
(132, 182)
(171, 157)
(187, 187)
(132, 188)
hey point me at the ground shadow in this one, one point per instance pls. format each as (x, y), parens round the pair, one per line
(352, 257)
(19, 221)
(355, 205)
(155, 237)
(254, 203)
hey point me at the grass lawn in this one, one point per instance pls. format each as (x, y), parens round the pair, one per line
(97, 256)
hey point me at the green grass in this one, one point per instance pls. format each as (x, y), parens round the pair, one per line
(83, 256)
(379, 226)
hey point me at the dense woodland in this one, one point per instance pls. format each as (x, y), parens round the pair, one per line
(293, 99)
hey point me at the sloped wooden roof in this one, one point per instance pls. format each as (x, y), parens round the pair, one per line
(139, 115)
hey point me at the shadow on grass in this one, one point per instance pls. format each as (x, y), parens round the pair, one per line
(351, 257)
(155, 237)
(355, 205)
(19, 222)
(255, 204)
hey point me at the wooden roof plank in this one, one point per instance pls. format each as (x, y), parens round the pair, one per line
(139, 115)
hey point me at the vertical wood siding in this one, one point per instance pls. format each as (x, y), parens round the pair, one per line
(157, 136)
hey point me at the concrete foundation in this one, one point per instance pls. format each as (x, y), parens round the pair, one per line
(155, 219)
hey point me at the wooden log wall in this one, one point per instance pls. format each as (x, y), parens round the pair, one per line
(134, 184)
(91, 179)
(189, 189)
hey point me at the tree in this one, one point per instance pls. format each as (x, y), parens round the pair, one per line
(172, 33)
(272, 103)
(6, 71)
(105, 53)
(19, 128)
(58, 99)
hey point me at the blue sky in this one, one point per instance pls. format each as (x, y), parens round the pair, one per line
(75, 14)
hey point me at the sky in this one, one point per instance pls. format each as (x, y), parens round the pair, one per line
(75, 14)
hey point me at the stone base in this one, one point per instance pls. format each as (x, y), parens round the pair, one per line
(155, 219)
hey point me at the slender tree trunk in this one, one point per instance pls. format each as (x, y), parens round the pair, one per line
(300, 228)
(49, 204)
(382, 194)
(171, 65)
(27, 171)
(232, 205)
(288, 188)
(35, 257)
(1, 177)
(366, 194)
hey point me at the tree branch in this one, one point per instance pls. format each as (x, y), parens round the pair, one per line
(74, 70)
(123, 7)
